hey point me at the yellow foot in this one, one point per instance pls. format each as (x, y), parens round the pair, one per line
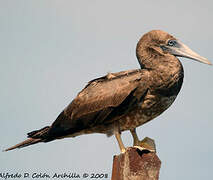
(146, 144)
(123, 150)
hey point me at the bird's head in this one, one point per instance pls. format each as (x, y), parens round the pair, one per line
(158, 44)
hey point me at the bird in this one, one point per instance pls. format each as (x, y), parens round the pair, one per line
(124, 100)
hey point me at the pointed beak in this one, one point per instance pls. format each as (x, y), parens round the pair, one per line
(182, 50)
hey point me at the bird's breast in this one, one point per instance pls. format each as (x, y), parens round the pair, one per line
(161, 94)
(151, 107)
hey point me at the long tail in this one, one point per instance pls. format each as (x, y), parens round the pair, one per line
(33, 138)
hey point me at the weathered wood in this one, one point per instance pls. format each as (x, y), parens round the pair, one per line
(136, 164)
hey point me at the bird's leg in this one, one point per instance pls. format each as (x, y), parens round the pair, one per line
(146, 143)
(118, 137)
(120, 143)
(136, 141)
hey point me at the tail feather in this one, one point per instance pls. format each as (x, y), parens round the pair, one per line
(33, 138)
(25, 143)
(38, 133)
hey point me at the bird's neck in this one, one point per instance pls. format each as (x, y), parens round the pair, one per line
(166, 71)
(167, 75)
(168, 67)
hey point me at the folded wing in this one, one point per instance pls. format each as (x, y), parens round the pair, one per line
(102, 101)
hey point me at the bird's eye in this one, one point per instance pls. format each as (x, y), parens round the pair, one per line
(171, 43)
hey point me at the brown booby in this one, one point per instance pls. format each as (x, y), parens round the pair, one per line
(125, 100)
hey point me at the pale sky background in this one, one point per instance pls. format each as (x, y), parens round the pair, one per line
(51, 49)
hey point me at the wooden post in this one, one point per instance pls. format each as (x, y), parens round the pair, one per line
(136, 164)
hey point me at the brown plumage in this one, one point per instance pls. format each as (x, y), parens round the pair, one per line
(124, 100)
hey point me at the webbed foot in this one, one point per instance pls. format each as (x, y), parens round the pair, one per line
(146, 144)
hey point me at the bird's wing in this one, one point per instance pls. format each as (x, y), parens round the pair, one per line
(101, 100)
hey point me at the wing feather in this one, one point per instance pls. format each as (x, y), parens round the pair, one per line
(99, 102)
(103, 93)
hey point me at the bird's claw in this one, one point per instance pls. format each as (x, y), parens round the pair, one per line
(146, 144)
(123, 150)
